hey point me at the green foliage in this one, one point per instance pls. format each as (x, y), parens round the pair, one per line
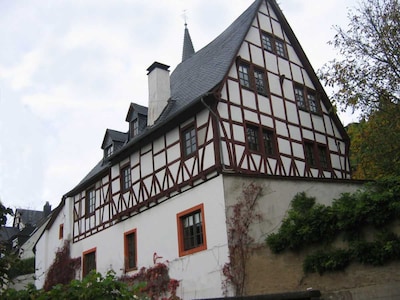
(327, 261)
(6, 258)
(368, 67)
(22, 267)
(93, 286)
(372, 209)
(374, 147)
(306, 222)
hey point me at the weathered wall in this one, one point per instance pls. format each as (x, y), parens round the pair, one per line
(271, 273)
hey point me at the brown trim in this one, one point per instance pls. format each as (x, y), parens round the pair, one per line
(61, 232)
(179, 217)
(84, 254)
(126, 250)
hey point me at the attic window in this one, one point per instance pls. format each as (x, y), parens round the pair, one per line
(108, 151)
(274, 44)
(252, 77)
(134, 128)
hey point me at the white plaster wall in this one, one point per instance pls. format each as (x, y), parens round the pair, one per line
(49, 243)
(199, 273)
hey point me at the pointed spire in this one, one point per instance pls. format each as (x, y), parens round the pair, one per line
(188, 49)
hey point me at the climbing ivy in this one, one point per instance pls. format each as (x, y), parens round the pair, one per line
(372, 209)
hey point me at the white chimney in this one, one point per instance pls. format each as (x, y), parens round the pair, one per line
(159, 90)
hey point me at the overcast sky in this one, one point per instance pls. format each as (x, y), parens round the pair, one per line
(70, 68)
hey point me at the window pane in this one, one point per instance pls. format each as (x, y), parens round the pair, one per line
(312, 102)
(131, 251)
(192, 230)
(310, 157)
(268, 142)
(252, 138)
(322, 157)
(125, 178)
(89, 262)
(244, 75)
(189, 141)
(260, 81)
(267, 42)
(299, 95)
(280, 48)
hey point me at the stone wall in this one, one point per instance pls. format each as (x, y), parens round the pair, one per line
(273, 273)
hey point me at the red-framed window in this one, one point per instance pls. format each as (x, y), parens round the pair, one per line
(88, 261)
(191, 230)
(130, 250)
(61, 232)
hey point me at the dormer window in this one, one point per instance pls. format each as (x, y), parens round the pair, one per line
(134, 128)
(108, 151)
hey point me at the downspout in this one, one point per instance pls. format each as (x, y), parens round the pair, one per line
(221, 155)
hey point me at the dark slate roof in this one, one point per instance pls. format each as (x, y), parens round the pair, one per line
(188, 49)
(140, 109)
(115, 136)
(28, 216)
(199, 74)
(101, 166)
(8, 232)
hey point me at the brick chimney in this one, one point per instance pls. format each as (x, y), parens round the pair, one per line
(159, 90)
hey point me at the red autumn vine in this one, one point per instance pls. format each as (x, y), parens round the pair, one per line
(240, 242)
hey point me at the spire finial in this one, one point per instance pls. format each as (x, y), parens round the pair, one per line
(188, 49)
(184, 15)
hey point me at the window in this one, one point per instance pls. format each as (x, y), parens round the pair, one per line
(260, 140)
(189, 142)
(90, 201)
(130, 250)
(306, 99)
(191, 230)
(108, 151)
(244, 75)
(274, 44)
(125, 178)
(134, 128)
(269, 142)
(312, 102)
(322, 157)
(61, 232)
(252, 77)
(267, 42)
(89, 261)
(261, 83)
(310, 157)
(252, 137)
(316, 155)
(299, 96)
(280, 48)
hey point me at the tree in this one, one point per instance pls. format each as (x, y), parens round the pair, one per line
(5, 257)
(375, 147)
(367, 71)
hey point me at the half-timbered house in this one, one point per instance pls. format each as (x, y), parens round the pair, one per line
(247, 107)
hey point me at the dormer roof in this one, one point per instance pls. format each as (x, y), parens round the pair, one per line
(112, 136)
(134, 110)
